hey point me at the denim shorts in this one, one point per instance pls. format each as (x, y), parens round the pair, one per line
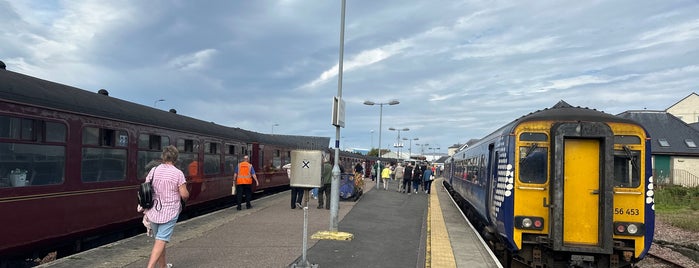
(163, 231)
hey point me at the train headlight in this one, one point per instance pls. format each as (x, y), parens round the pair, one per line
(632, 229)
(629, 228)
(529, 223)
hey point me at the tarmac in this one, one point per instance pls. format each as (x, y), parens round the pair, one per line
(387, 229)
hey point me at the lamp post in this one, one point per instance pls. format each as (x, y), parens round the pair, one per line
(274, 125)
(434, 154)
(422, 147)
(156, 102)
(398, 143)
(410, 149)
(378, 162)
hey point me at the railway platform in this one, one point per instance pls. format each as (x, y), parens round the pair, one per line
(388, 229)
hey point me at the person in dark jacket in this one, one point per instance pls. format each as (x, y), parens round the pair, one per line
(326, 180)
(427, 178)
(407, 177)
(417, 177)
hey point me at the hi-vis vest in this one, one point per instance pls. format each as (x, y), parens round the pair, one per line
(244, 174)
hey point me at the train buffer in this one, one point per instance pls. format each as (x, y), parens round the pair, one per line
(388, 229)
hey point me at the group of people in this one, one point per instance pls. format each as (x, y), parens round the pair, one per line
(420, 177)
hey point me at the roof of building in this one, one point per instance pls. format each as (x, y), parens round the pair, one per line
(669, 134)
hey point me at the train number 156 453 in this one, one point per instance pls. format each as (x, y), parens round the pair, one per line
(627, 211)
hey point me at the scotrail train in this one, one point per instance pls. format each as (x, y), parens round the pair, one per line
(70, 162)
(560, 187)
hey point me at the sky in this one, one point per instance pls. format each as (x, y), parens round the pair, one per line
(460, 69)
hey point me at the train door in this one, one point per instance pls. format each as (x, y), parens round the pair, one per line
(581, 190)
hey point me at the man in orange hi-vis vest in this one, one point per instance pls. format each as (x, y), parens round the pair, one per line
(244, 173)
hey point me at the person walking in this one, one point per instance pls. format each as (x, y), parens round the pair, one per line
(407, 177)
(399, 175)
(326, 178)
(417, 177)
(427, 177)
(169, 185)
(385, 176)
(242, 177)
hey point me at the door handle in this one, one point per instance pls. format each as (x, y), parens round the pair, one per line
(596, 191)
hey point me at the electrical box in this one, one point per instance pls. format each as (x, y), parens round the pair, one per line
(306, 168)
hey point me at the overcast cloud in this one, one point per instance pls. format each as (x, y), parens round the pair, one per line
(460, 69)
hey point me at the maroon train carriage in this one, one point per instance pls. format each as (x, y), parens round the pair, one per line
(70, 162)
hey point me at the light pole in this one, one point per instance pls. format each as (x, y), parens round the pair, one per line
(422, 147)
(410, 149)
(156, 102)
(378, 162)
(434, 155)
(398, 143)
(274, 125)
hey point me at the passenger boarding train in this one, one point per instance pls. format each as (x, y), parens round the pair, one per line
(71, 160)
(560, 187)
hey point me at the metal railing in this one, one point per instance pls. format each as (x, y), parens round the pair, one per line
(677, 177)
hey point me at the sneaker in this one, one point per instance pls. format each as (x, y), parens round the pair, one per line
(248, 206)
(239, 208)
(320, 207)
(169, 265)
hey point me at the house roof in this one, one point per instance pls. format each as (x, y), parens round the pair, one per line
(691, 95)
(666, 128)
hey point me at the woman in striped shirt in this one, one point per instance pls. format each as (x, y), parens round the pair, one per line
(169, 186)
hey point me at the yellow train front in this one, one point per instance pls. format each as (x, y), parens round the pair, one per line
(561, 187)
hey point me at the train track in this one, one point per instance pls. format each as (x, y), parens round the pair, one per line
(665, 260)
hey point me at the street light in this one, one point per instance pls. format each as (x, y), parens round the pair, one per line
(275, 125)
(398, 144)
(156, 102)
(410, 149)
(434, 155)
(422, 147)
(378, 162)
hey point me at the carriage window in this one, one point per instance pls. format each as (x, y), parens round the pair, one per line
(533, 164)
(532, 136)
(152, 142)
(31, 164)
(9, 127)
(103, 164)
(212, 158)
(626, 168)
(55, 132)
(184, 145)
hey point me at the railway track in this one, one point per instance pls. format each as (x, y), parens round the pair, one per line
(666, 261)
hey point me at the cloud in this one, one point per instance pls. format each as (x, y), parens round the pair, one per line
(193, 61)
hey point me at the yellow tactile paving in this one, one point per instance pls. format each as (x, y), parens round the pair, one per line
(439, 250)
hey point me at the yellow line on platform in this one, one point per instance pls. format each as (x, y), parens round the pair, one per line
(330, 235)
(439, 250)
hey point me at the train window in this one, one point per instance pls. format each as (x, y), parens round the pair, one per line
(626, 168)
(184, 145)
(28, 129)
(212, 158)
(9, 127)
(55, 132)
(533, 164)
(103, 137)
(188, 163)
(231, 149)
(230, 162)
(532, 136)
(621, 139)
(103, 164)
(152, 142)
(146, 161)
(31, 164)
(211, 148)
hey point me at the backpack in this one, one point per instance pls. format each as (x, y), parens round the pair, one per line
(146, 193)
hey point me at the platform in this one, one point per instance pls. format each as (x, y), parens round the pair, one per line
(389, 229)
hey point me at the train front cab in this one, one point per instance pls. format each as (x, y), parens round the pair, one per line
(580, 194)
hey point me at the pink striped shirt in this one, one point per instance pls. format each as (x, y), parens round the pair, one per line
(166, 182)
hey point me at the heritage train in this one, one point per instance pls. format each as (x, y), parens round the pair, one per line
(560, 187)
(71, 160)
